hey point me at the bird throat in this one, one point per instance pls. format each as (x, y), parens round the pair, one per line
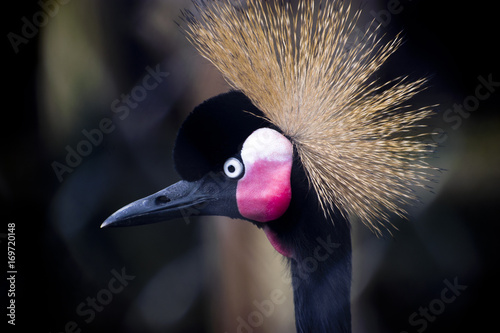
(273, 238)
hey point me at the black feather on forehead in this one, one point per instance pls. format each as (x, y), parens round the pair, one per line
(213, 132)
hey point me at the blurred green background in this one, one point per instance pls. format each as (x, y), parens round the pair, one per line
(124, 70)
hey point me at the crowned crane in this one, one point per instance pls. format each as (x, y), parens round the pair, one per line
(304, 142)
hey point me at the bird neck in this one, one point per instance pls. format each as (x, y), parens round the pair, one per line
(320, 263)
(321, 276)
(321, 273)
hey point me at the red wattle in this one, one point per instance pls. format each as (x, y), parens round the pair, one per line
(273, 239)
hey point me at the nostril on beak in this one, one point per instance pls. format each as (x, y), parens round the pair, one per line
(161, 200)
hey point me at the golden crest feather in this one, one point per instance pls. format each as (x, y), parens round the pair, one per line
(310, 73)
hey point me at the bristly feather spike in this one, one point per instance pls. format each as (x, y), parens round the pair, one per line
(311, 73)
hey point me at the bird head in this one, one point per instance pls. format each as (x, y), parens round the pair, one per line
(232, 163)
(305, 120)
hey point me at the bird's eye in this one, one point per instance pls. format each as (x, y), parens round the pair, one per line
(233, 167)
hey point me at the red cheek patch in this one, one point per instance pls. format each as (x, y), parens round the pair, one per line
(264, 192)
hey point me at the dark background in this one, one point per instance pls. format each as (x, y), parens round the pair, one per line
(63, 257)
